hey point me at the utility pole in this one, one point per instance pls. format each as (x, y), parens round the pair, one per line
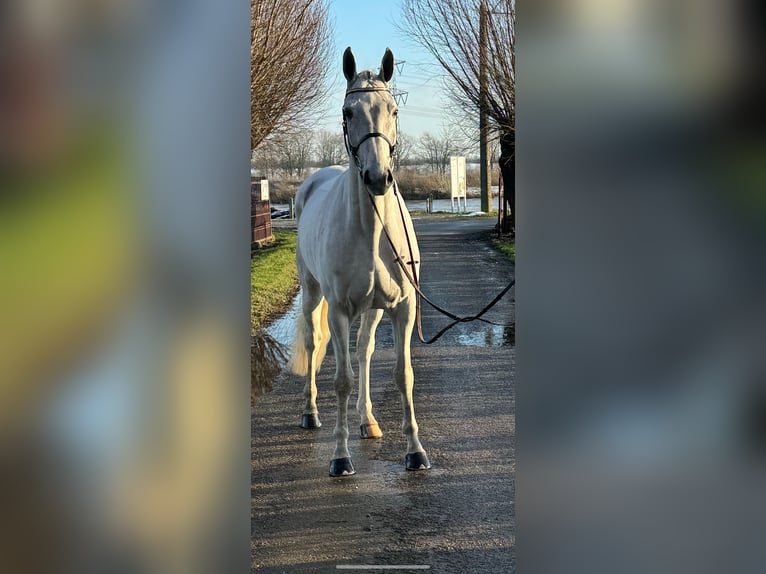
(484, 154)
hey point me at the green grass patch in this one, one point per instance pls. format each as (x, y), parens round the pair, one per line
(273, 278)
(507, 246)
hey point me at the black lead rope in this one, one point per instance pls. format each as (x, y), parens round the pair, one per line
(413, 279)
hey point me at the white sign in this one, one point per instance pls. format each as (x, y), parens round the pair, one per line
(264, 190)
(457, 175)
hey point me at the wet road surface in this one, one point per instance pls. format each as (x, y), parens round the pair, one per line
(457, 517)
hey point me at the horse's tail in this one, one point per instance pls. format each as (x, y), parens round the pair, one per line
(299, 360)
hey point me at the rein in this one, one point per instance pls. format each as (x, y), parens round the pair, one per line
(413, 280)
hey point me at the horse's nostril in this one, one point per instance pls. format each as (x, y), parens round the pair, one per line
(389, 177)
(366, 177)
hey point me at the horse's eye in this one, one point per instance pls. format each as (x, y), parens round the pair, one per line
(396, 112)
(347, 113)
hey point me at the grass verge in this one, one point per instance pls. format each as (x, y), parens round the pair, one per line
(506, 246)
(273, 278)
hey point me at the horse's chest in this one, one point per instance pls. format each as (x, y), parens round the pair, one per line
(366, 280)
(375, 286)
(388, 287)
(376, 282)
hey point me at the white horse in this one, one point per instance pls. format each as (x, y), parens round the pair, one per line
(348, 269)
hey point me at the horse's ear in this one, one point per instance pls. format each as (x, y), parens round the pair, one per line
(387, 66)
(349, 65)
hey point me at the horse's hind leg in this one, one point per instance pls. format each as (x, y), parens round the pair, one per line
(403, 318)
(365, 345)
(344, 375)
(312, 315)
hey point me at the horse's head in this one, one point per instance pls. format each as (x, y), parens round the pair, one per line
(369, 121)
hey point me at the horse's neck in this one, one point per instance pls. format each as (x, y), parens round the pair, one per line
(362, 217)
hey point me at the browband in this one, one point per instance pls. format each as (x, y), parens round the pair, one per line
(372, 89)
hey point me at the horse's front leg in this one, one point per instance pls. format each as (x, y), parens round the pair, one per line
(403, 318)
(365, 345)
(341, 464)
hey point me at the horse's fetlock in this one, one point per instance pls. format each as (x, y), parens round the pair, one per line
(340, 433)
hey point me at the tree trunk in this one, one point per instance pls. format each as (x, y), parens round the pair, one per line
(507, 163)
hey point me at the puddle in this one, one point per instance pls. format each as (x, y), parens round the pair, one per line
(492, 336)
(282, 329)
(267, 356)
(270, 350)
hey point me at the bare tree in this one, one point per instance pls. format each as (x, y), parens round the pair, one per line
(430, 151)
(330, 149)
(285, 156)
(265, 159)
(450, 31)
(295, 152)
(436, 150)
(290, 45)
(404, 146)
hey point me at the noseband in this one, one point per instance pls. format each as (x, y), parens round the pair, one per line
(354, 149)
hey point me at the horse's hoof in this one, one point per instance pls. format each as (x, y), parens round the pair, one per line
(310, 422)
(417, 461)
(370, 431)
(341, 467)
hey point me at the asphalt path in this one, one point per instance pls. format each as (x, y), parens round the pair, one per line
(456, 517)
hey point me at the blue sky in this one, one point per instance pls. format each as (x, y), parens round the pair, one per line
(368, 27)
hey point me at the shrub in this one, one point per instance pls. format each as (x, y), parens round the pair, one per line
(415, 185)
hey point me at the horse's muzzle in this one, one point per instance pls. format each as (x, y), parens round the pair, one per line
(378, 183)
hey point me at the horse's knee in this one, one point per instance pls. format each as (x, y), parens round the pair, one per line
(343, 389)
(309, 336)
(365, 348)
(365, 343)
(398, 373)
(402, 373)
(343, 384)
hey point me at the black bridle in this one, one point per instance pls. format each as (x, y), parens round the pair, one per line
(353, 150)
